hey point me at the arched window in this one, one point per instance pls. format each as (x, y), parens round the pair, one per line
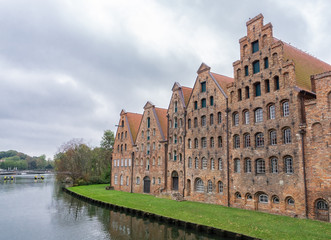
(211, 119)
(248, 165)
(263, 198)
(275, 199)
(189, 123)
(148, 122)
(245, 50)
(175, 123)
(249, 197)
(287, 135)
(199, 185)
(237, 165)
(246, 117)
(260, 166)
(286, 109)
(195, 105)
(210, 186)
(235, 119)
(204, 163)
(121, 180)
(273, 137)
(290, 201)
(190, 162)
(219, 141)
(196, 163)
(288, 163)
(180, 157)
(122, 123)
(237, 195)
(220, 187)
(238, 73)
(211, 101)
(219, 117)
(115, 179)
(196, 143)
(274, 165)
(247, 140)
(258, 115)
(212, 143)
(121, 135)
(322, 205)
(175, 106)
(286, 79)
(195, 122)
(212, 164)
(189, 143)
(220, 165)
(259, 140)
(204, 142)
(271, 111)
(236, 141)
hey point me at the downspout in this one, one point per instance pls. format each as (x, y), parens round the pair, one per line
(111, 172)
(132, 163)
(302, 133)
(166, 157)
(228, 110)
(184, 142)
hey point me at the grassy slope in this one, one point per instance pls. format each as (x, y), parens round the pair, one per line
(256, 224)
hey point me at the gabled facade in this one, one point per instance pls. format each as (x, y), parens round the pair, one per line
(206, 153)
(125, 138)
(176, 141)
(150, 151)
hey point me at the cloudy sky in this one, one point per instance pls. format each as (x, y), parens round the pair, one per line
(68, 67)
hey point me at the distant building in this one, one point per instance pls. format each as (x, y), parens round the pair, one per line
(258, 141)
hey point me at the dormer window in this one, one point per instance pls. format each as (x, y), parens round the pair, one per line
(255, 46)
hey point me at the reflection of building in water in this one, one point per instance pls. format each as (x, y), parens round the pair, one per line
(123, 226)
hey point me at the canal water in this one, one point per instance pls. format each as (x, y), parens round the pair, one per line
(39, 209)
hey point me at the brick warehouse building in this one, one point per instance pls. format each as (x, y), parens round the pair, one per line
(259, 141)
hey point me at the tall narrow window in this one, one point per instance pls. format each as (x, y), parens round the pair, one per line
(288, 165)
(196, 143)
(211, 119)
(175, 122)
(286, 109)
(274, 59)
(272, 114)
(175, 139)
(239, 95)
(204, 163)
(195, 105)
(274, 165)
(211, 101)
(276, 83)
(196, 163)
(210, 186)
(273, 137)
(246, 117)
(266, 63)
(248, 165)
(259, 140)
(199, 186)
(260, 166)
(175, 155)
(204, 142)
(267, 85)
(212, 164)
(212, 143)
(148, 135)
(203, 121)
(235, 118)
(237, 165)
(246, 70)
(175, 106)
(203, 103)
(190, 162)
(219, 117)
(148, 122)
(195, 122)
(220, 165)
(203, 86)
(189, 123)
(236, 141)
(219, 141)
(256, 67)
(189, 143)
(247, 140)
(257, 87)
(247, 92)
(255, 46)
(258, 115)
(287, 135)
(220, 187)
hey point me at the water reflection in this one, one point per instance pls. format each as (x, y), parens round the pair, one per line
(39, 209)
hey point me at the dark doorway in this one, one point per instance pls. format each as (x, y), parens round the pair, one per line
(174, 177)
(147, 185)
(322, 210)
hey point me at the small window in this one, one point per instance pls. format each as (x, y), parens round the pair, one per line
(148, 122)
(204, 142)
(259, 140)
(287, 136)
(195, 122)
(138, 180)
(219, 141)
(236, 141)
(220, 187)
(189, 123)
(115, 179)
(258, 115)
(272, 113)
(286, 109)
(256, 67)
(212, 164)
(211, 100)
(260, 166)
(190, 162)
(248, 165)
(203, 86)
(246, 70)
(211, 119)
(274, 165)
(266, 63)
(273, 137)
(322, 205)
(219, 117)
(195, 105)
(247, 140)
(175, 107)
(203, 103)
(275, 200)
(199, 186)
(255, 46)
(290, 201)
(238, 195)
(210, 186)
(237, 165)
(196, 143)
(276, 83)
(247, 92)
(263, 198)
(249, 197)
(246, 117)
(196, 163)
(235, 118)
(203, 121)
(267, 85)
(239, 95)
(288, 165)
(220, 165)
(189, 143)
(257, 87)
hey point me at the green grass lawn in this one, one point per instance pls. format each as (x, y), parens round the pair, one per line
(251, 223)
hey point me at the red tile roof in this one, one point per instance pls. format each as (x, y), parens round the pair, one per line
(222, 80)
(305, 65)
(162, 116)
(134, 123)
(186, 93)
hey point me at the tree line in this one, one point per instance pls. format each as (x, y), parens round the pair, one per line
(81, 164)
(16, 160)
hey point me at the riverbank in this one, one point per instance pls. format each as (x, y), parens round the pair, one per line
(250, 223)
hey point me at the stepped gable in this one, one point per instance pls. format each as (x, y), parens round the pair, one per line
(134, 120)
(305, 65)
(161, 114)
